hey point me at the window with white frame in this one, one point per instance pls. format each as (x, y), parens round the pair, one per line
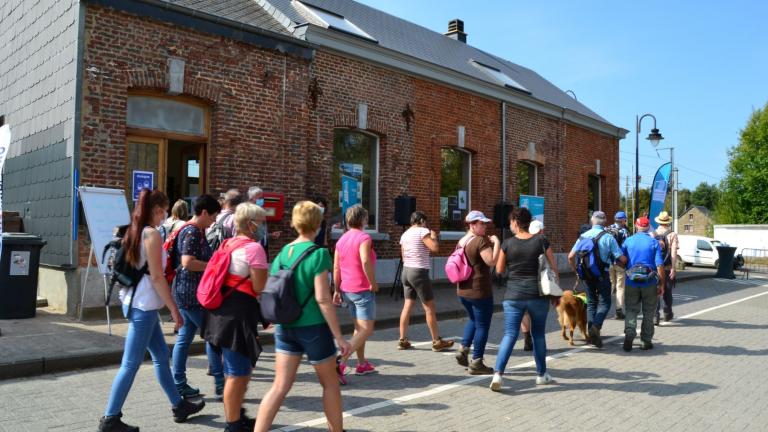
(526, 178)
(455, 182)
(355, 175)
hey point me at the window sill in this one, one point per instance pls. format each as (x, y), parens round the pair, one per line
(452, 235)
(375, 235)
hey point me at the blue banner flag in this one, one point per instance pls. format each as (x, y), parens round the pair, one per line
(659, 192)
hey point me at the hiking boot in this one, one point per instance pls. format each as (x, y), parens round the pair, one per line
(187, 391)
(594, 336)
(619, 314)
(668, 316)
(185, 409)
(544, 379)
(441, 344)
(645, 346)
(462, 357)
(627, 346)
(244, 424)
(496, 382)
(527, 341)
(114, 424)
(219, 389)
(341, 371)
(477, 367)
(656, 321)
(404, 344)
(365, 368)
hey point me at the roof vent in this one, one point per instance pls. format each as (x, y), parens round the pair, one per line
(456, 30)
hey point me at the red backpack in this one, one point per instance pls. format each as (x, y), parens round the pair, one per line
(209, 292)
(171, 263)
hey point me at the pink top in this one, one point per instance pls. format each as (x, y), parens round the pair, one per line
(415, 252)
(247, 257)
(352, 275)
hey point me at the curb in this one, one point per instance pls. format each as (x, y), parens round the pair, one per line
(46, 365)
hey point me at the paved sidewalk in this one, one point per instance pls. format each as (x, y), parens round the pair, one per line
(52, 342)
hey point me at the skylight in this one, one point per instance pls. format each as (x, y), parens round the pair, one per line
(334, 21)
(499, 76)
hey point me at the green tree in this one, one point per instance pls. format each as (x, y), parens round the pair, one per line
(744, 197)
(705, 195)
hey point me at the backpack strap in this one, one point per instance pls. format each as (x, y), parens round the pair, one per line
(458, 245)
(596, 250)
(296, 263)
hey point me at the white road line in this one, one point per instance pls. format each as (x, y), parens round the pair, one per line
(430, 342)
(473, 379)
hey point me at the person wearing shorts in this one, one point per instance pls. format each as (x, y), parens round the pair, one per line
(416, 244)
(354, 278)
(314, 332)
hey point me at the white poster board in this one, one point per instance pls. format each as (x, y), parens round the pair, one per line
(5, 142)
(104, 210)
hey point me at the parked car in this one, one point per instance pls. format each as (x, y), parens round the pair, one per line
(697, 250)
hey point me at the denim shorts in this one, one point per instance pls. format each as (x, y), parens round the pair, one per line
(316, 341)
(362, 305)
(236, 364)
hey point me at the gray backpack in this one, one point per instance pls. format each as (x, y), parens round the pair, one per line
(278, 302)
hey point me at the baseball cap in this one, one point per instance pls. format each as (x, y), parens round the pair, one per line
(642, 221)
(536, 226)
(620, 215)
(476, 215)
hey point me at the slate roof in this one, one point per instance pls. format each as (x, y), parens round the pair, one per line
(243, 11)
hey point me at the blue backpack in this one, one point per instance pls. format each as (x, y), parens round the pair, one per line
(589, 265)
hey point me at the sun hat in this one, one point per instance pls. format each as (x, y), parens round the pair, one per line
(663, 218)
(536, 226)
(475, 216)
(642, 221)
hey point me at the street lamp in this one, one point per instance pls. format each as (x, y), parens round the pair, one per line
(654, 137)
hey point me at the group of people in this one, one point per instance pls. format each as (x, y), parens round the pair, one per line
(322, 284)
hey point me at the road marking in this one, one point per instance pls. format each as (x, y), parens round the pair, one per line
(473, 379)
(430, 342)
(684, 297)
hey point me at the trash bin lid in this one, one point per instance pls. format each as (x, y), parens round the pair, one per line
(23, 239)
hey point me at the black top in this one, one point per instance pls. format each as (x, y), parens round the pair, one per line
(522, 266)
(320, 240)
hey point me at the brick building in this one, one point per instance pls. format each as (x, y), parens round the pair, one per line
(304, 98)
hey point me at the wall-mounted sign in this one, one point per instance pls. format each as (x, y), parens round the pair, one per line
(534, 204)
(141, 180)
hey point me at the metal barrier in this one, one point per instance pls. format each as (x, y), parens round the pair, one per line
(754, 261)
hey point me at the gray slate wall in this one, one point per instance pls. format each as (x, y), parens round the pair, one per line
(38, 70)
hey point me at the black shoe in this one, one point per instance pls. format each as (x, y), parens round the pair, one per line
(462, 357)
(528, 342)
(627, 343)
(656, 320)
(244, 424)
(645, 346)
(114, 424)
(668, 316)
(619, 314)
(185, 409)
(594, 337)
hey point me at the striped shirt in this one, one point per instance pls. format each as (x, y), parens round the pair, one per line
(415, 252)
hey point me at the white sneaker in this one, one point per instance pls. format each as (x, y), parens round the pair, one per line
(496, 382)
(544, 379)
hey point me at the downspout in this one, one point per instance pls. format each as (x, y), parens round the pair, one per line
(74, 252)
(503, 151)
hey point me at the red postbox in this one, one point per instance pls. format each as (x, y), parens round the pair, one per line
(274, 204)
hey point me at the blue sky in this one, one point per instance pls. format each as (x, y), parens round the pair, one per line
(700, 67)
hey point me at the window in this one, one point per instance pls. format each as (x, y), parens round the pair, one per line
(334, 21)
(593, 187)
(688, 228)
(703, 245)
(355, 175)
(499, 76)
(164, 114)
(526, 178)
(690, 217)
(455, 173)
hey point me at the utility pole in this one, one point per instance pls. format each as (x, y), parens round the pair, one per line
(626, 196)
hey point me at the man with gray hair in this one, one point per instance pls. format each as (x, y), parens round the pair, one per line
(606, 252)
(256, 196)
(225, 221)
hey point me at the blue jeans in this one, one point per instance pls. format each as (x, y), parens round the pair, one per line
(480, 312)
(193, 320)
(598, 301)
(144, 333)
(513, 315)
(362, 305)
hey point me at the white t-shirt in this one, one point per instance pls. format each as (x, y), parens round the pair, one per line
(147, 298)
(415, 252)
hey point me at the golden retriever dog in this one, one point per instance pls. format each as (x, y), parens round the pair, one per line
(572, 313)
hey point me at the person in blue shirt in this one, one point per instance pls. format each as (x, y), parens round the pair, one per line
(599, 292)
(645, 269)
(616, 272)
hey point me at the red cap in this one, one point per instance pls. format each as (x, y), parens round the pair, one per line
(642, 222)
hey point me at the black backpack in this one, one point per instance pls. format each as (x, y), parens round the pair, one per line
(217, 234)
(122, 272)
(278, 302)
(665, 249)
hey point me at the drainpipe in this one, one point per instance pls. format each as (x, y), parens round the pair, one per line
(503, 151)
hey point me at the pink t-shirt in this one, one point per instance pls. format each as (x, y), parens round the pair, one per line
(247, 257)
(415, 252)
(352, 275)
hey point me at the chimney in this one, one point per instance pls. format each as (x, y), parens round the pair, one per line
(456, 30)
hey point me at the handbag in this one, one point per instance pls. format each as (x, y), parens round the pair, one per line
(548, 285)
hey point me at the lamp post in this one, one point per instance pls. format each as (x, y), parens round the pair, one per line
(654, 137)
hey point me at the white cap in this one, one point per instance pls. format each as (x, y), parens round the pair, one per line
(476, 215)
(536, 226)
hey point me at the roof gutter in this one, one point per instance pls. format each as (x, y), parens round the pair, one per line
(349, 46)
(207, 23)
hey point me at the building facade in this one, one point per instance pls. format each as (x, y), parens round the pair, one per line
(696, 220)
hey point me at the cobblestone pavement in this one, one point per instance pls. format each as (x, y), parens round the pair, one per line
(706, 372)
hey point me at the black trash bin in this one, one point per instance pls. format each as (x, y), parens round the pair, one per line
(725, 262)
(19, 265)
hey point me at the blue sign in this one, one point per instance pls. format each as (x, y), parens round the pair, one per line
(534, 204)
(141, 180)
(659, 192)
(350, 194)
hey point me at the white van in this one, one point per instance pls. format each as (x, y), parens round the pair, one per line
(697, 250)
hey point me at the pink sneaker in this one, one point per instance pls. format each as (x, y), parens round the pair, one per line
(341, 370)
(365, 368)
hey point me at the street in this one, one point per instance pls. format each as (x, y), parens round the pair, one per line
(706, 372)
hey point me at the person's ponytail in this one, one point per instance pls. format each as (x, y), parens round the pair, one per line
(141, 218)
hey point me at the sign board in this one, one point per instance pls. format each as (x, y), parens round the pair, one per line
(534, 204)
(5, 142)
(659, 192)
(104, 210)
(142, 180)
